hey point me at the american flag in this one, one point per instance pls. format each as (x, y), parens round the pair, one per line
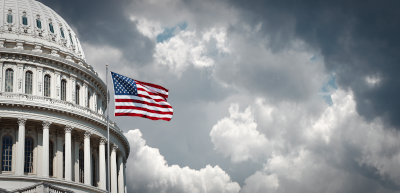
(140, 99)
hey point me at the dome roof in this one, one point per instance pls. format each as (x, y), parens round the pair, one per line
(34, 23)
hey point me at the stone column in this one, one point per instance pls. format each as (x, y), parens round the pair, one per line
(114, 180)
(19, 169)
(39, 171)
(59, 155)
(68, 164)
(87, 163)
(73, 87)
(45, 152)
(102, 164)
(1, 77)
(121, 185)
(20, 68)
(57, 84)
(126, 189)
(40, 81)
(76, 156)
(85, 94)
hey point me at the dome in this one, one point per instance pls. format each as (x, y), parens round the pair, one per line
(35, 24)
(53, 128)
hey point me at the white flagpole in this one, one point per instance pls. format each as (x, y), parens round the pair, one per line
(108, 132)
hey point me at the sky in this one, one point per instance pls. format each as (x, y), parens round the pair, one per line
(268, 96)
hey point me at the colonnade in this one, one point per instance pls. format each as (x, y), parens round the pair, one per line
(117, 173)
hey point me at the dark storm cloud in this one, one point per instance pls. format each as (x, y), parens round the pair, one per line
(106, 23)
(358, 39)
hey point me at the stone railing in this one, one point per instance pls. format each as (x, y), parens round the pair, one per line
(55, 104)
(41, 187)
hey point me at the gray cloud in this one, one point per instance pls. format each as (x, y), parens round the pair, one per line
(106, 23)
(357, 39)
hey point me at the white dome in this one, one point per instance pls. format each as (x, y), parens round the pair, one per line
(29, 21)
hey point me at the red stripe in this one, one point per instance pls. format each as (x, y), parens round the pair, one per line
(144, 109)
(143, 102)
(152, 85)
(141, 115)
(152, 93)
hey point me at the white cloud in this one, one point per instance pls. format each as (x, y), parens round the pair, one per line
(149, 172)
(324, 151)
(147, 27)
(238, 137)
(191, 48)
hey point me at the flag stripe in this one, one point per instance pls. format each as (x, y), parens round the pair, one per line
(152, 85)
(151, 92)
(145, 109)
(140, 115)
(142, 112)
(129, 104)
(143, 102)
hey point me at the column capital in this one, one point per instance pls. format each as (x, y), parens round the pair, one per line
(103, 141)
(21, 121)
(68, 128)
(77, 137)
(87, 135)
(39, 130)
(114, 147)
(46, 124)
(59, 133)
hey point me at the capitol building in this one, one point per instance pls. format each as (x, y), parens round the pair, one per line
(53, 128)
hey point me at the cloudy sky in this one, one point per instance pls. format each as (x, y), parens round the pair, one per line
(268, 96)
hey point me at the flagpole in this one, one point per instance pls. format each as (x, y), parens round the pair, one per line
(108, 131)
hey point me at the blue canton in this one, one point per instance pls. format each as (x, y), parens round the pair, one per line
(123, 85)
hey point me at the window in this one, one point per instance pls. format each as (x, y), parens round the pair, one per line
(51, 158)
(28, 155)
(9, 80)
(9, 18)
(77, 89)
(47, 86)
(93, 170)
(81, 166)
(70, 37)
(62, 32)
(88, 100)
(28, 82)
(38, 24)
(7, 153)
(24, 20)
(63, 90)
(64, 161)
(51, 28)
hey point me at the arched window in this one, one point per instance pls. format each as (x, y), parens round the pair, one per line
(70, 37)
(9, 18)
(62, 32)
(47, 85)
(93, 170)
(77, 90)
(28, 155)
(38, 24)
(81, 166)
(7, 153)
(63, 90)
(24, 20)
(28, 82)
(88, 100)
(51, 158)
(51, 28)
(9, 80)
